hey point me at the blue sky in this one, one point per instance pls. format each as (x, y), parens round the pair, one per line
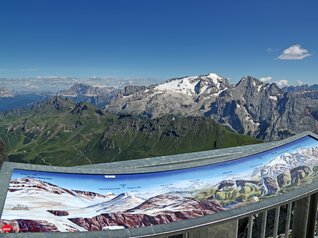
(148, 182)
(157, 40)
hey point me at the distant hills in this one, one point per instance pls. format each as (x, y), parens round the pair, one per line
(301, 88)
(58, 131)
(99, 96)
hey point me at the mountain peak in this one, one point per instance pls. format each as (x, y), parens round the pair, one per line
(194, 85)
(125, 195)
(214, 79)
(214, 76)
(249, 80)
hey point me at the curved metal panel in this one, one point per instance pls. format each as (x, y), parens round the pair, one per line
(150, 200)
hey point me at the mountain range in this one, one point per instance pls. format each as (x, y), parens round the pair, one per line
(143, 121)
(299, 88)
(250, 107)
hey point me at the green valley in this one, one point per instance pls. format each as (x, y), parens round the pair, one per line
(59, 132)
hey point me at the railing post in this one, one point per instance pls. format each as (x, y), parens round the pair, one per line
(312, 216)
(288, 218)
(276, 222)
(300, 219)
(264, 221)
(250, 226)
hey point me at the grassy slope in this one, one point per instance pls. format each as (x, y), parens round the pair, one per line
(50, 134)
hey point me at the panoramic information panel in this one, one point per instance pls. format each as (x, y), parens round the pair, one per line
(48, 202)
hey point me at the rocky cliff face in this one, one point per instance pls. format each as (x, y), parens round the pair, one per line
(131, 89)
(250, 107)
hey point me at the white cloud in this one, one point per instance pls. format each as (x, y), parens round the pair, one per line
(31, 86)
(118, 82)
(38, 83)
(282, 83)
(295, 52)
(269, 79)
(58, 83)
(265, 79)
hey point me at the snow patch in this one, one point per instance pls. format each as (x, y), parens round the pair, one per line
(219, 92)
(184, 85)
(273, 98)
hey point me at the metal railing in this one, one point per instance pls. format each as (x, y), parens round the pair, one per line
(296, 219)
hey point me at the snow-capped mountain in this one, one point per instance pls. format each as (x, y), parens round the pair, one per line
(195, 85)
(31, 199)
(51, 194)
(32, 202)
(177, 96)
(288, 161)
(121, 202)
(250, 107)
